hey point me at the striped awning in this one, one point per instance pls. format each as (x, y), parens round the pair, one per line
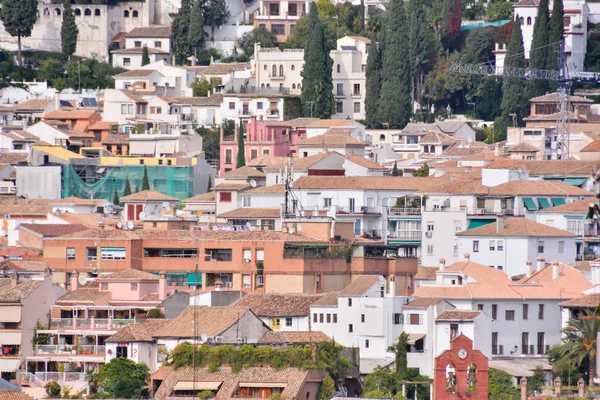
(9, 365)
(191, 385)
(10, 338)
(263, 384)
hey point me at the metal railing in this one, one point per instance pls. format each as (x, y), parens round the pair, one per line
(405, 146)
(372, 234)
(358, 210)
(404, 211)
(120, 323)
(101, 323)
(69, 349)
(83, 322)
(405, 235)
(61, 323)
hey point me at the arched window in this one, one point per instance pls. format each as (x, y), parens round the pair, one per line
(382, 137)
(274, 70)
(339, 69)
(522, 20)
(135, 14)
(126, 13)
(450, 378)
(97, 12)
(57, 12)
(77, 12)
(281, 70)
(293, 67)
(426, 149)
(528, 20)
(87, 11)
(265, 68)
(293, 86)
(472, 378)
(262, 85)
(299, 86)
(268, 85)
(46, 12)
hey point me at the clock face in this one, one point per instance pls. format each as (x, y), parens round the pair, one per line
(462, 353)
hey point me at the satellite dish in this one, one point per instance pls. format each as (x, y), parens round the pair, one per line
(58, 212)
(204, 337)
(299, 227)
(130, 225)
(292, 230)
(119, 225)
(248, 225)
(142, 215)
(253, 183)
(82, 280)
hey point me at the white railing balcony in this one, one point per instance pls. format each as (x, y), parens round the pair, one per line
(83, 323)
(100, 322)
(404, 211)
(405, 147)
(358, 210)
(405, 235)
(276, 76)
(120, 323)
(61, 323)
(69, 349)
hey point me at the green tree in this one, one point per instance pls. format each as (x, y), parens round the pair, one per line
(68, 31)
(579, 342)
(145, 180)
(145, 56)
(373, 85)
(127, 190)
(380, 384)
(418, 42)
(155, 313)
(115, 198)
(481, 42)
(123, 378)
(241, 153)
(258, 35)
(395, 169)
(317, 81)
(565, 368)
(401, 360)
(215, 14)
(18, 17)
(488, 97)
(326, 389)
(555, 36)
(52, 389)
(499, 10)
(196, 27)
(395, 104)
(536, 381)
(209, 184)
(538, 56)
(137, 188)
(52, 71)
(210, 142)
(515, 91)
(201, 87)
(500, 385)
(180, 28)
(499, 129)
(423, 171)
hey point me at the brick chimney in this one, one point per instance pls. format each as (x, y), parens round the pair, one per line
(14, 280)
(74, 281)
(162, 286)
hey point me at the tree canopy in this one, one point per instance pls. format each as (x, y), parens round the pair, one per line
(258, 35)
(68, 31)
(123, 378)
(18, 18)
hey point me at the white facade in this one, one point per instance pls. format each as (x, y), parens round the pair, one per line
(349, 78)
(139, 352)
(133, 60)
(48, 134)
(439, 240)
(166, 80)
(276, 69)
(235, 107)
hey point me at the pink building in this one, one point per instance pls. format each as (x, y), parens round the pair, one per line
(274, 138)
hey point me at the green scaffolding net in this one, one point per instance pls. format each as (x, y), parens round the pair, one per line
(172, 181)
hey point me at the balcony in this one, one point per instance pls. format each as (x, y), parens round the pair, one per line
(414, 235)
(69, 349)
(272, 113)
(404, 211)
(356, 94)
(244, 112)
(39, 379)
(276, 77)
(339, 93)
(406, 147)
(89, 323)
(187, 117)
(354, 211)
(372, 234)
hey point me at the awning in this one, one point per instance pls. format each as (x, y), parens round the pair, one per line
(10, 338)
(194, 279)
(476, 223)
(413, 337)
(10, 314)
(142, 147)
(263, 384)
(575, 181)
(191, 385)
(9, 365)
(558, 202)
(543, 202)
(165, 146)
(75, 142)
(273, 105)
(529, 204)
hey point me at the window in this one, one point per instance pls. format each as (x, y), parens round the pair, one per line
(246, 201)
(253, 153)
(430, 226)
(525, 311)
(328, 318)
(112, 253)
(126, 13)
(561, 247)
(137, 43)
(104, 286)
(500, 245)
(246, 255)
(528, 20)
(339, 89)
(260, 255)
(492, 245)
(121, 351)
(288, 321)
(350, 328)
(566, 21)
(453, 331)
(134, 287)
(281, 70)
(495, 347)
(318, 281)
(456, 250)
(415, 319)
(509, 315)
(540, 246)
(327, 202)
(525, 343)
(356, 107)
(475, 246)
(356, 89)
(367, 343)
(429, 249)
(228, 156)
(457, 226)
(259, 105)
(232, 105)
(540, 311)
(500, 267)
(278, 29)
(225, 197)
(57, 12)
(397, 318)
(97, 12)
(349, 302)
(339, 107)
(91, 254)
(70, 254)
(541, 343)
(126, 108)
(321, 318)
(335, 318)
(494, 311)
(315, 318)
(77, 12)
(158, 44)
(275, 324)
(246, 281)
(480, 307)
(266, 152)
(338, 68)
(362, 318)
(135, 14)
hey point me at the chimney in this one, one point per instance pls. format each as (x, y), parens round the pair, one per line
(468, 256)
(442, 264)
(499, 223)
(14, 280)
(162, 286)
(74, 281)
(497, 150)
(555, 270)
(57, 101)
(528, 271)
(541, 263)
(595, 267)
(392, 286)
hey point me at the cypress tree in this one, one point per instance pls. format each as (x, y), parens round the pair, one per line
(196, 30)
(317, 80)
(395, 169)
(209, 185)
(401, 360)
(373, 85)
(145, 180)
(515, 98)
(145, 56)
(555, 37)
(539, 47)
(127, 190)
(68, 31)
(18, 17)
(115, 198)
(137, 188)
(241, 156)
(180, 27)
(417, 39)
(395, 105)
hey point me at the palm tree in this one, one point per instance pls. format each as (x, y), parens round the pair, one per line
(579, 341)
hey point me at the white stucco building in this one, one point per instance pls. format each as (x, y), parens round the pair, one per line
(349, 76)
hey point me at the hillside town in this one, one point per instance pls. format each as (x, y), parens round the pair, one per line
(317, 200)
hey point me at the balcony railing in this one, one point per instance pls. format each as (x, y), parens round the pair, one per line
(244, 112)
(404, 211)
(276, 76)
(405, 235)
(120, 323)
(356, 210)
(61, 323)
(40, 378)
(372, 234)
(83, 323)
(89, 323)
(406, 146)
(69, 349)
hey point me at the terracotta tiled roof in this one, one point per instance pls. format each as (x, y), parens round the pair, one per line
(553, 98)
(512, 188)
(14, 395)
(359, 285)
(75, 114)
(523, 147)
(325, 123)
(102, 125)
(212, 321)
(206, 197)
(548, 167)
(251, 212)
(587, 301)
(79, 201)
(51, 230)
(527, 3)
(364, 182)
(426, 273)
(90, 221)
(243, 172)
(115, 138)
(365, 162)
(22, 291)
(26, 265)
(273, 189)
(303, 163)
(231, 186)
(87, 294)
(279, 305)
(457, 151)
(33, 105)
(592, 147)
(147, 195)
(150, 32)
(301, 337)
(331, 140)
(423, 302)
(292, 378)
(437, 138)
(212, 100)
(219, 68)
(13, 158)
(580, 206)
(521, 227)
(329, 299)
(139, 50)
(138, 332)
(136, 73)
(266, 161)
(458, 315)
(301, 122)
(129, 275)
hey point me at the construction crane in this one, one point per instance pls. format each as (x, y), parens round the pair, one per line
(562, 76)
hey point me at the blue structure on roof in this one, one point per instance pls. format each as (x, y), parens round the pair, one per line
(469, 27)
